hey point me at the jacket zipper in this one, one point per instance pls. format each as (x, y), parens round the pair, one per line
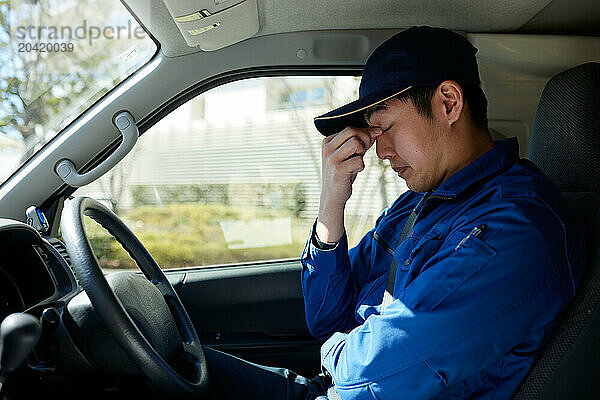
(441, 197)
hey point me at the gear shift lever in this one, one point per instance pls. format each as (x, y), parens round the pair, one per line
(19, 332)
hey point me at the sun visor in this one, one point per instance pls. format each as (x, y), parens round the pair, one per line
(214, 24)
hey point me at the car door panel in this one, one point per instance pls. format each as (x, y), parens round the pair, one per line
(253, 311)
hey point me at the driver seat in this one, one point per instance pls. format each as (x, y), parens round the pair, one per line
(565, 144)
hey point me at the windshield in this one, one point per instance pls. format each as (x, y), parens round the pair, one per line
(56, 59)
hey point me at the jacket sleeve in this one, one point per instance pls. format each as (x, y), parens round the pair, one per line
(330, 281)
(469, 306)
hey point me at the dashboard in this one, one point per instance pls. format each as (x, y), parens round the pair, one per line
(36, 278)
(34, 271)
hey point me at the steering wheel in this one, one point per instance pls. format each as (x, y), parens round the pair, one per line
(162, 327)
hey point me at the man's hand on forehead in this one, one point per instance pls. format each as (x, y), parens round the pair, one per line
(342, 160)
(342, 157)
(366, 136)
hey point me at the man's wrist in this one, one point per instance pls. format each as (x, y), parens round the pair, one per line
(329, 226)
(318, 243)
(322, 245)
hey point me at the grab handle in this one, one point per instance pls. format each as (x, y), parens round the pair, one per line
(126, 125)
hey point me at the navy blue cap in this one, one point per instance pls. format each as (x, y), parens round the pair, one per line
(417, 56)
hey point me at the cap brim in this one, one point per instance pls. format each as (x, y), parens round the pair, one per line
(352, 114)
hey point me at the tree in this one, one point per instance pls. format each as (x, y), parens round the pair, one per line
(41, 91)
(26, 105)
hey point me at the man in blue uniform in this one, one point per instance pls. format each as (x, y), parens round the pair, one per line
(460, 283)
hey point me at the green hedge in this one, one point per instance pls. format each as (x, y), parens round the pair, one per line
(290, 196)
(189, 234)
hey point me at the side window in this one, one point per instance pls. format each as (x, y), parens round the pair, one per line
(234, 175)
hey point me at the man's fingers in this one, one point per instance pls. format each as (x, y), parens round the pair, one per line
(352, 146)
(342, 161)
(353, 165)
(338, 139)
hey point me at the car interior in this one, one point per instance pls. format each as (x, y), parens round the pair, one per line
(73, 325)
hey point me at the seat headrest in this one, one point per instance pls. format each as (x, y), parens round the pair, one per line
(565, 139)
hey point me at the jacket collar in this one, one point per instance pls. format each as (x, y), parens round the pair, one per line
(503, 155)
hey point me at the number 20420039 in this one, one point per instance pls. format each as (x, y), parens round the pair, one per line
(46, 47)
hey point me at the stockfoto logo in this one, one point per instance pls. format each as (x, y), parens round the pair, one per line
(83, 31)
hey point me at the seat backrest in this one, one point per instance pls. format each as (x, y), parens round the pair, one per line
(565, 144)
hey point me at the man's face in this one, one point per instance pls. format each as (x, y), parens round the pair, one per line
(412, 143)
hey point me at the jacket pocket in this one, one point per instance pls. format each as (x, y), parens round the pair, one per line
(446, 272)
(423, 249)
(421, 253)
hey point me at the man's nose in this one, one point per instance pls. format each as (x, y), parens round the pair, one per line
(383, 148)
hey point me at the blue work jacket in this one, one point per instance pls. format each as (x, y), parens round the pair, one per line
(471, 311)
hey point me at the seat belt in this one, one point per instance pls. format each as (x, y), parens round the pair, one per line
(410, 223)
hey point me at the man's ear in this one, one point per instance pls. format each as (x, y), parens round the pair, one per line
(450, 101)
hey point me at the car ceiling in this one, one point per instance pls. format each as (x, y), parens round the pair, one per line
(482, 16)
